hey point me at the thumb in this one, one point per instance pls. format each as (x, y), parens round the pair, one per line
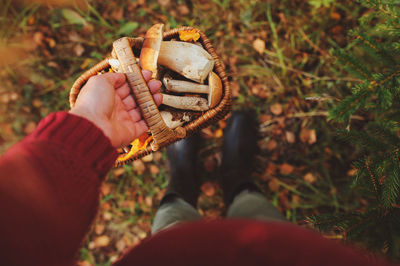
(114, 79)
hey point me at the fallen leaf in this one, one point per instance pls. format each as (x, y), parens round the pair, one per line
(73, 17)
(259, 45)
(148, 158)
(208, 189)
(310, 178)
(189, 35)
(274, 184)
(276, 109)
(157, 156)
(99, 228)
(183, 9)
(149, 201)
(286, 169)
(120, 245)
(79, 49)
(290, 137)
(219, 133)
(106, 206)
(138, 166)
(119, 171)
(105, 189)
(271, 169)
(308, 136)
(335, 16)
(38, 38)
(154, 170)
(272, 144)
(352, 172)
(102, 241)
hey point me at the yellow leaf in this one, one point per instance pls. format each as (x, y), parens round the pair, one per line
(189, 35)
(138, 144)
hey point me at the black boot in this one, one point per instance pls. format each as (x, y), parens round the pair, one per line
(238, 151)
(183, 181)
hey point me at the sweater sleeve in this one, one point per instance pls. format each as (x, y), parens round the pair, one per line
(49, 190)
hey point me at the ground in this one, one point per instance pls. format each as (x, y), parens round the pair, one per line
(278, 56)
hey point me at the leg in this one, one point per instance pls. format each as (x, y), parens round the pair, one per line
(172, 212)
(180, 199)
(253, 205)
(241, 194)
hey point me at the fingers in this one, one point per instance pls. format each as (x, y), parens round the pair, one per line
(114, 79)
(154, 85)
(146, 74)
(157, 98)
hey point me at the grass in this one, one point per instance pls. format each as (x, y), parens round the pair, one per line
(296, 70)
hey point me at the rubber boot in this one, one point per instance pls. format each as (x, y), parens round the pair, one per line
(183, 181)
(238, 151)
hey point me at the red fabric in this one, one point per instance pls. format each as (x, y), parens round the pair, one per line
(49, 192)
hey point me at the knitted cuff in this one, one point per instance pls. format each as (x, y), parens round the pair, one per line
(78, 135)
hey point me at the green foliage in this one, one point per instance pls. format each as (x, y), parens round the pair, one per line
(372, 57)
(319, 3)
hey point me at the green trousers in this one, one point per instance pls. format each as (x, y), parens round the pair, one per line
(251, 205)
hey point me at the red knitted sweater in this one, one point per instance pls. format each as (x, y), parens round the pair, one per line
(49, 192)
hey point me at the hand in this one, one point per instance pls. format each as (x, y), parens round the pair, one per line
(105, 100)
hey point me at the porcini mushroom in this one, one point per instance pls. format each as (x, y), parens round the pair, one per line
(151, 48)
(213, 89)
(185, 102)
(172, 122)
(188, 59)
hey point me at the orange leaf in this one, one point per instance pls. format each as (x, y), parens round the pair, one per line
(189, 35)
(208, 189)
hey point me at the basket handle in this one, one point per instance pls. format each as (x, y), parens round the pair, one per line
(160, 131)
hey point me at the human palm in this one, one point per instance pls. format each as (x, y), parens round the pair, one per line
(106, 101)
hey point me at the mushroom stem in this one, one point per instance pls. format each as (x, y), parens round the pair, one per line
(185, 86)
(188, 59)
(185, 102)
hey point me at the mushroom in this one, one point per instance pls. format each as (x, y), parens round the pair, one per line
(172, 122)
(185, 102)
(214, 87)
(188, 59)
(151, 48)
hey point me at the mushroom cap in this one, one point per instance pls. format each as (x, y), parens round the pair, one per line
(151, 48)
(215, 86)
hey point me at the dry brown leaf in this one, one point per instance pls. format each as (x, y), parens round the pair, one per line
(79, 49)
(148, 158)
(105, 189)
(310, 178)
(84, 263)
(286, 169)
(290, 137)
(259, 45)
(148, 201)
(183, 9)
(219, 133)
(138, 166)
(120, 245)
(274, 184)
(272, 144)
(102, 241)
(308, 136)
(352, 172)
(157, 156)
(271, 169)
(189, 35)
(208, 189)
(276, 109)
(119, 171)
(154, 170)
(106, 206)
(99, 228)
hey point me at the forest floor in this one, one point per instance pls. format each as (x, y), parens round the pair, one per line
(278, 56)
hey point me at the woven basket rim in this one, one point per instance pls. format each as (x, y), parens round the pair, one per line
(208, 117)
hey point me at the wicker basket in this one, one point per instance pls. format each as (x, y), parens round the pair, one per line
(208, 117)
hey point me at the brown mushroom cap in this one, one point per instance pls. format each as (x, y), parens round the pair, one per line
(151, 48)
(215, 87)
